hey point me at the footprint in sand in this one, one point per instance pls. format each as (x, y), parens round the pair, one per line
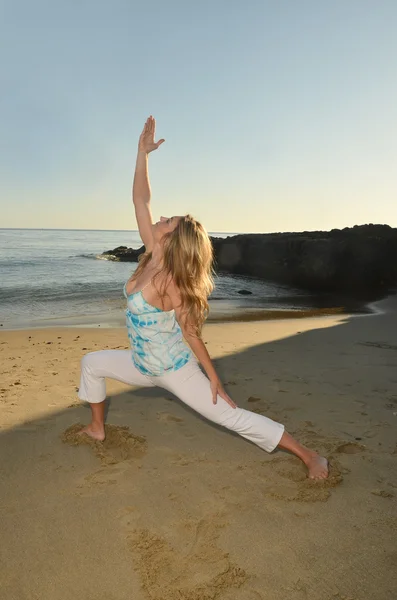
(192, 567)
(350, 448)
(262, 409)
(292, 484)
(119, 445)
(168, 418)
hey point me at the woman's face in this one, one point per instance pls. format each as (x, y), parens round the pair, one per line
(164, 226)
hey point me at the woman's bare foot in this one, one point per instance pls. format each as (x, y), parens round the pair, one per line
(96, 432)
(318, 466)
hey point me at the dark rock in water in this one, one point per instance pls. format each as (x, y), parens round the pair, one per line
(244, 292)
(124, 254)
(358, 260)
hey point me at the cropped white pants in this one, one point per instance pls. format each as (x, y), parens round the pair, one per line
(189, 384)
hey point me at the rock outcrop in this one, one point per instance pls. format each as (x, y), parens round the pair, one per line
(124, 254)
(359, 259)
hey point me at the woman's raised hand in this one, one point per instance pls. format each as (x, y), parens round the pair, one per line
(146, 140)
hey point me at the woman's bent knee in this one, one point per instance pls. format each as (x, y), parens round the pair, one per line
(85, 361)
(91, 359)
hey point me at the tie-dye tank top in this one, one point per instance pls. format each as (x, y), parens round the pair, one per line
(156, 339)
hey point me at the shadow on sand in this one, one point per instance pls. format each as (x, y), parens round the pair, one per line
(68, 512)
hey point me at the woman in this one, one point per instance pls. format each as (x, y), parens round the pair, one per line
(166, 306)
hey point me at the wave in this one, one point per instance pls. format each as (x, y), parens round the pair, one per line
(106, 257)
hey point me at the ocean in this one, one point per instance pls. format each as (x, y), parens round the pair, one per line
(52, 277)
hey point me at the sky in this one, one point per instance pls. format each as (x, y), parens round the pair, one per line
(278, 115)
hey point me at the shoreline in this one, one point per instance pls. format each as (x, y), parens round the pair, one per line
(115, 319)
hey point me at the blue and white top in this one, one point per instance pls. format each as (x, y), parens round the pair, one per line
(155, 336)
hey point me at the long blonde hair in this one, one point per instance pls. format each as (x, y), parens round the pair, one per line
(188, 260)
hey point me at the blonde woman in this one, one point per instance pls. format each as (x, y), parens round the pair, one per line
(167, 303)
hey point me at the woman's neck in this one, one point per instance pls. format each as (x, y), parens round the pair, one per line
(157, 256)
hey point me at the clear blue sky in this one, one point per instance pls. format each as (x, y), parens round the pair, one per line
(278, 115)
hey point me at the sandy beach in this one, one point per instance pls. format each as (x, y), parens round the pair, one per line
(171, 507)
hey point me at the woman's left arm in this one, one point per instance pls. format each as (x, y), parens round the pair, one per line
(200, 351)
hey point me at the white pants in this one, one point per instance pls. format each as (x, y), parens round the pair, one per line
(189, 384)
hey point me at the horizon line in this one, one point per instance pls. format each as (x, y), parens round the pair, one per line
(210, 232)
(81, 229)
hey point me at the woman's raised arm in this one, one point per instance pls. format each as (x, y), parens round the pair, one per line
(141, 185)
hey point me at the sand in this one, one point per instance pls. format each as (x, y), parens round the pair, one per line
(171, 507)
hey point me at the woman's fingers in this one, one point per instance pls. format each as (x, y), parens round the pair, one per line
(150, 128)
(218, 391)
(146, 127)
(227, 398)
(230, 401)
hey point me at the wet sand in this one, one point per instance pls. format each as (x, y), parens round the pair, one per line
(172, 507)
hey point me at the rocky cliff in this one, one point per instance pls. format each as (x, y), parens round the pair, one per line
(359, 259)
